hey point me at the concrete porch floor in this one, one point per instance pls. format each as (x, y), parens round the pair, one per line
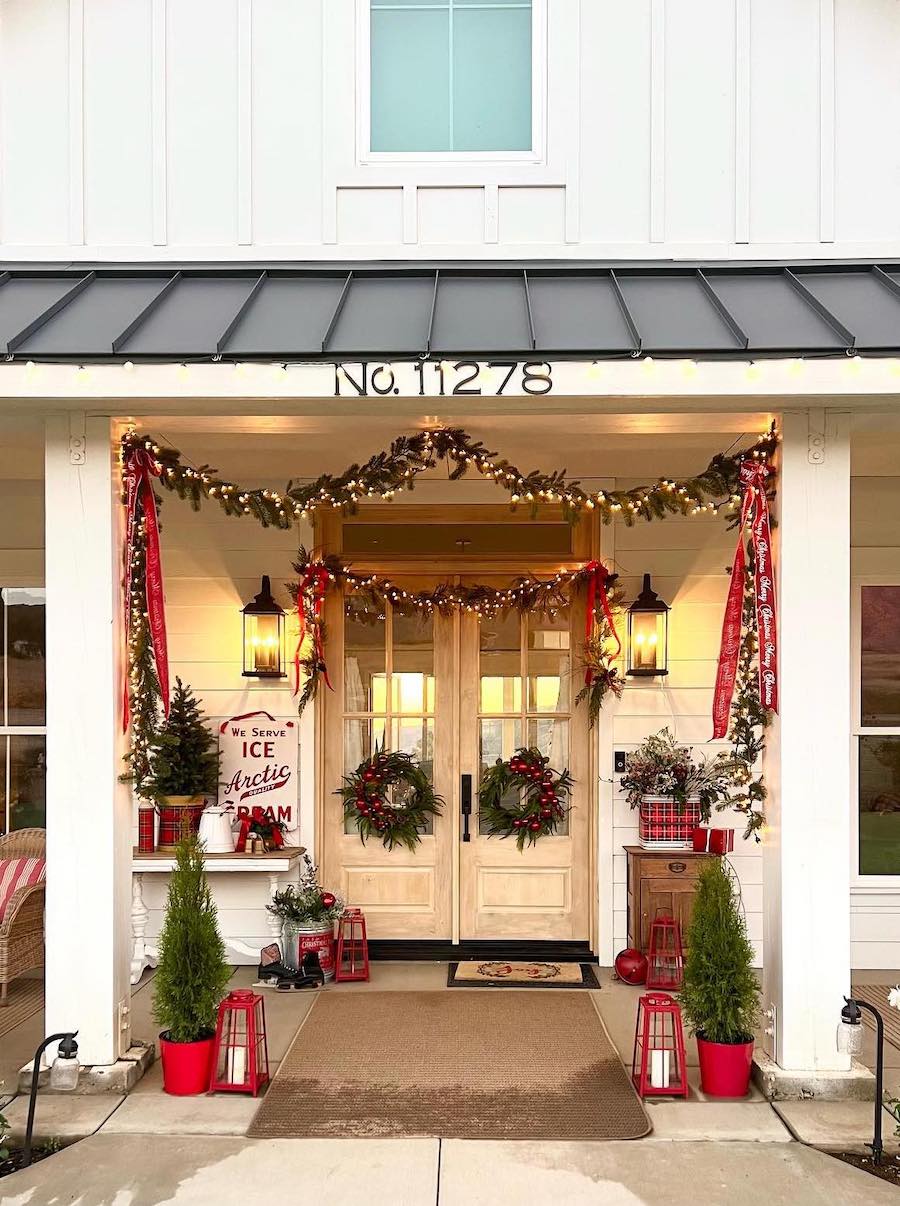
(209, 1132)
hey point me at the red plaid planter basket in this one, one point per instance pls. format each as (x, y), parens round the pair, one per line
(177, 821)
(667, 825)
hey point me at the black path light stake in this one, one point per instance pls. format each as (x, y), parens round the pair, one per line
(68, 1049)
(850, 1041)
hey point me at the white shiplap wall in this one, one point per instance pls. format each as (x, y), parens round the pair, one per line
(688, 559)
(229, 128)
(212, 567)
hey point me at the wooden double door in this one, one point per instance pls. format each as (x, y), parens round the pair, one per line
(457, 692)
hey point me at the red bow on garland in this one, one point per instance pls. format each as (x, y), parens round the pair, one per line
(258, 817)
(755, 513)
(138, 471)
(598, 581)
(312, 587)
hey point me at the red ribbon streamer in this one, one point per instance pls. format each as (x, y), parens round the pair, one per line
(597, 584)
(139, 470)
(755, 515)
(314, 584)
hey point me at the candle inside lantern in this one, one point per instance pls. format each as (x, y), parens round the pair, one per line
(659, 1069)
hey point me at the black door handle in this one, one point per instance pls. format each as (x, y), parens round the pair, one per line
(465, 796)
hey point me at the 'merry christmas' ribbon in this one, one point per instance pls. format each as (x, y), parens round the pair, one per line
(755, 515)
(139, 470)
(597, 583)
(312, 586)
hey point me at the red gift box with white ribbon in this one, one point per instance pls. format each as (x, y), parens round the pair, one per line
(713, 841)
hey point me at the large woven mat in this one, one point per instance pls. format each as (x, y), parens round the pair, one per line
(26, 998)
(877, 995)
(461, 1065)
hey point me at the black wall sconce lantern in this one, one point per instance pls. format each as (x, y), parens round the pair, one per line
(264, 635)
(648, 634)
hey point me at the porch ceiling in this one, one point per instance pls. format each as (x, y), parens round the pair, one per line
(396, 311)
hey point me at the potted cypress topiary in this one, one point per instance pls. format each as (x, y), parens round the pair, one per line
(191, 976)
(720, 993)
(184, 768)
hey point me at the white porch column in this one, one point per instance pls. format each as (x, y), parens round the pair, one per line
(806, 856)
(88, 811)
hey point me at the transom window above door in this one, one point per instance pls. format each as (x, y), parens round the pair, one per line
(452, 76)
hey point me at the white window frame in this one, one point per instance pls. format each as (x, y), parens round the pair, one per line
(538, 152)
(860, 883)
(13, 730)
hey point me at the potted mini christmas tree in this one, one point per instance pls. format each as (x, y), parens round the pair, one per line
(720, 993)
(191, 976)
(184, 768)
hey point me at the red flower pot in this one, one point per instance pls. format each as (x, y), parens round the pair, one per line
(725, 1067)
(186, 1066)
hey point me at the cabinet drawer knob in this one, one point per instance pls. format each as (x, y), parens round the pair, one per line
(677, 868)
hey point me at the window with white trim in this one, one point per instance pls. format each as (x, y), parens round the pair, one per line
(23, 716)
(451, 76)
(877, 734)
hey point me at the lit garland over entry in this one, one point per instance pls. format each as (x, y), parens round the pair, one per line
(717, 489)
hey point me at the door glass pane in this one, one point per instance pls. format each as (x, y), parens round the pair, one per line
(365, 683)
(25, 666)
(879, 805)
(492, 79)
(880, 656)
(360, 739)
(27, 782)
(414, 735)
(501, 664)
(551, 737)
(499, 739)
(549, 668)
(412, 675)
(410, 56)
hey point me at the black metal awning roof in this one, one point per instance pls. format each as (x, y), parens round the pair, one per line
(163, 312)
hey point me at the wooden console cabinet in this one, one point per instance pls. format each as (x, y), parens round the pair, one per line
(660, 880)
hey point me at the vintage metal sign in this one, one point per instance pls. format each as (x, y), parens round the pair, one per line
(259, 769)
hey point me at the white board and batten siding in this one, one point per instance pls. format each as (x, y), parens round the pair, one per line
(224, 129)
(875, 553)
(688, 559)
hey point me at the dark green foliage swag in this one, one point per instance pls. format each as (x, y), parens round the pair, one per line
(192, 974)
(720, 995)
(184, 760)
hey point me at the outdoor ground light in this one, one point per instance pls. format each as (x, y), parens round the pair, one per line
(849, 1041)
(67, 1079)
(264, 635)
(648, 633)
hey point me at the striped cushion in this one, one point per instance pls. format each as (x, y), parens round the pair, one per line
(18, 873)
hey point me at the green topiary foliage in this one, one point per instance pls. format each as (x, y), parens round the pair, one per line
(720, 995)
(183, 756)
(192, 974)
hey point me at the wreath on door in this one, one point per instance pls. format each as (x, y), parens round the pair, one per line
(390, 797)
(524, 797)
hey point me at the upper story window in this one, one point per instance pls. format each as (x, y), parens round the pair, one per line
(451, 76)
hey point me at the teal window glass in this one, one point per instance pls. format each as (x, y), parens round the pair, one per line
(451, 75)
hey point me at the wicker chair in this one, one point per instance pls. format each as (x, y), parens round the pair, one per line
(22, 930)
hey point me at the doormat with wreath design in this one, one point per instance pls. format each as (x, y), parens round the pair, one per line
(531, 973)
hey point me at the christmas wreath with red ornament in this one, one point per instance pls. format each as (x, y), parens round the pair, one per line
(523, 797)
(390, 797)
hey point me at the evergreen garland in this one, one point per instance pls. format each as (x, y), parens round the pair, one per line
(523, 798)
(142, 684)
(367, 799)
(192, 973)
(720, 993)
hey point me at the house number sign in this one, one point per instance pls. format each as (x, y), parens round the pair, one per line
(443, 379)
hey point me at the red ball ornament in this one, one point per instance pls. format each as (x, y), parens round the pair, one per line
(328, 900)
(362, 806)
(534, 826)
(368, 774)
(518, 823)
(546, 813)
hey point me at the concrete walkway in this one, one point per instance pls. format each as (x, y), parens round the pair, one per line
(125, 1170)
